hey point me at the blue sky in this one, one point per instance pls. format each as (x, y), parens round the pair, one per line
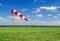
(39, 12)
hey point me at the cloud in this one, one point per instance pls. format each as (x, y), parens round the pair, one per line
(35, 1)
(10, 21)
(24, 9)
(14, 17)
(59, 14)
(36, 10)
(0, 4)
(2, 19)
(49, 15)
(50, 23)
(28, 16)
(44, 23)
(59, 7)
(55, 16)
(49, 8)
(39, 15)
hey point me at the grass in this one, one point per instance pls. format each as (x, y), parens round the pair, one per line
(29, 34)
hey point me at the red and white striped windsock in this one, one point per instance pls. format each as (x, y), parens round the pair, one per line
(19, 14)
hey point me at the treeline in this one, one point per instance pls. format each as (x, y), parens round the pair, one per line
(25, 26)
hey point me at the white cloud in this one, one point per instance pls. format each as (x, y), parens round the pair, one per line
(49, 14)
(28, 16)
(45, 23)
(0, 4)
(36, 10)
(39, 15)
(1, 18)
(38, 1)
(24, 9)
(14, 20)
(59, 7)
(14, 17)
(50, 23)
(59, 14)
(9, 21)
(55, 16)
(49, 8)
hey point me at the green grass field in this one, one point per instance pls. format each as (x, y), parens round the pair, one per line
(29, 34)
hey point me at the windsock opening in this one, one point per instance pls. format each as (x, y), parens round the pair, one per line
(12, 11)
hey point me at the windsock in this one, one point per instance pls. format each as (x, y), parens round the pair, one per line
(19, 14)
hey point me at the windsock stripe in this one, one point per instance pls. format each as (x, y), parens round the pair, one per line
(19, 14)
(25, 18)
(16, 12)
(13, 11)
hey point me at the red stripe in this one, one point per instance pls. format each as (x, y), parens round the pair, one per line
(25, 19)
(21, 15)
(16, 12)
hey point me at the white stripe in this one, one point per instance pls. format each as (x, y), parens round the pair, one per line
(14, 11)
(18, 14)
(24, 17)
